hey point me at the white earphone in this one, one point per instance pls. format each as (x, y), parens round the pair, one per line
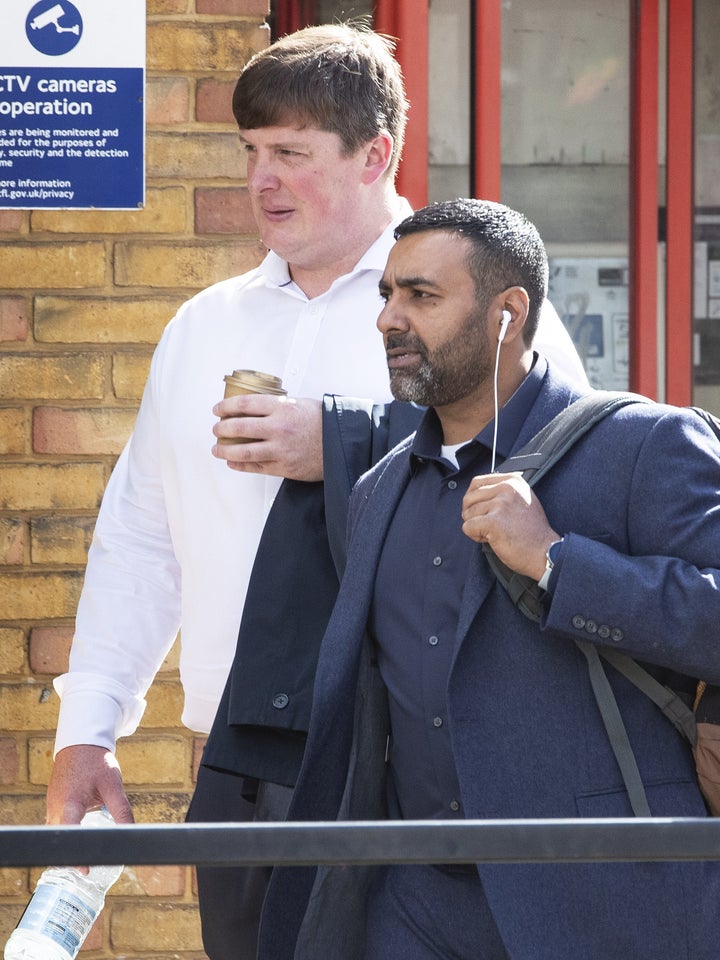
(504, 323)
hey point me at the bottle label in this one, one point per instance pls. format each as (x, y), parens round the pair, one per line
(60, 915)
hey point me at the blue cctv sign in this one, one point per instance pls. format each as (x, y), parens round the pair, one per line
(72, 96)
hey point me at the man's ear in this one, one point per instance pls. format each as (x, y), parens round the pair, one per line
(378, 157)
(516, 302)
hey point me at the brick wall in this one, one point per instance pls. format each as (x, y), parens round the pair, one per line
(84, 296)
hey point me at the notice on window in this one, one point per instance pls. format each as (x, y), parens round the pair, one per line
(72, 96)
(591, 296)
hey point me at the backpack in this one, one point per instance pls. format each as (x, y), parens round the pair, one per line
(698, 722)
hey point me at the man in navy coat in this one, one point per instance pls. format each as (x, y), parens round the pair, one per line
(436, 698)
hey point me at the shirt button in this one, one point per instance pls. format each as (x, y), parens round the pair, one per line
(437, 561)
(452, 484)
(433, 641)
(454, 805)
(578, 622)
(437, 721)
(280, 701)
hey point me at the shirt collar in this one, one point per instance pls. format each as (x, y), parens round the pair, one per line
(428, 439)
(276, 273)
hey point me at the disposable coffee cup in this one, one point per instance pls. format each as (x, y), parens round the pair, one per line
(241, 382)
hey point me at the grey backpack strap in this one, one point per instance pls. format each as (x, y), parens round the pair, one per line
(615, 728)
(535, 459)
(671, 704)
(565, 429)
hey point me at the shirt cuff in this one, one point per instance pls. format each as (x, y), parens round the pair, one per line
(94, 710)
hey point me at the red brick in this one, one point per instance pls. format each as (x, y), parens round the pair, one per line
(167, 881)
(242, 8)
(81, 431)
(223, 210)
(9, 760)
(14, 318)
(94, 939)
(12, 221)
(213, 101)
(49, 649)
(168, 100)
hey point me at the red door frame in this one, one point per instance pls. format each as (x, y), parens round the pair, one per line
(680, 203)
(403, 19)
(486, 99)
(644, 184)
(407, 21)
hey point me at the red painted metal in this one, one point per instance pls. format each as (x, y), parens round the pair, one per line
(407, 21)
(486, 121)
(644, 181)
(680, 200)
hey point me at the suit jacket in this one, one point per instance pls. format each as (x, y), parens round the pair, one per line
(638, 504)
(262, 719)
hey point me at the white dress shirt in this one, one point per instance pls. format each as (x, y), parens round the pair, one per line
(178, 530)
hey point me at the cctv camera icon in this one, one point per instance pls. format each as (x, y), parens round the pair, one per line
(52, 16)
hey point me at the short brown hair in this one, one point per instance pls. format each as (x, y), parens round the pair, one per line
(342, 78)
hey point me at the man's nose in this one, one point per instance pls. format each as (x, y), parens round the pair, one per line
(261, 175)
(392, 317)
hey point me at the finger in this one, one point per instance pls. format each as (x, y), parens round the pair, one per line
(251, 404)
(246, 452)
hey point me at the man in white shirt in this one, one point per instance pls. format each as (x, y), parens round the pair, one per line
(321, 116)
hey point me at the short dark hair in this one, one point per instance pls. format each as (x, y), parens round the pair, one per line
(507, 248)
(342, 78)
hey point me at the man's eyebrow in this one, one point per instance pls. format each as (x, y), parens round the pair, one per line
(419, 281)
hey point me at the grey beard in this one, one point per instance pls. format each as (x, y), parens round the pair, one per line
(423, 387)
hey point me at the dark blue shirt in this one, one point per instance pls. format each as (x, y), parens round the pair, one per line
(420, 580)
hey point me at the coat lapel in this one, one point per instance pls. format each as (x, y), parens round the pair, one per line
(554, 395)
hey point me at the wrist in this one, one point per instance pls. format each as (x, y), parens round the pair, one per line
(551, 557)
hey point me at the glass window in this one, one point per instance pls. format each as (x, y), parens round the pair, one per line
(707, 206)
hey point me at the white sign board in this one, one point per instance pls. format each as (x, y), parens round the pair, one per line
(591, 296)
(72, 95)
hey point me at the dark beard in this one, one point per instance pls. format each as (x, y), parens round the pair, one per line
(451, 373)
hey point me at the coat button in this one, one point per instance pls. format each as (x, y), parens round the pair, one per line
(591, 626)
(280, 701)
(603, 631)
(616, 635)
(452, 484)
(578, 622)
(437, 721)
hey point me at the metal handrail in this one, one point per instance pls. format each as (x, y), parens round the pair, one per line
(360, 842)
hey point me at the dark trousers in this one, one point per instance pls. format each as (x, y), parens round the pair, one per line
(425, 913)
(231, 898)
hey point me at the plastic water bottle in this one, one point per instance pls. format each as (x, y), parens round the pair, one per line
(63, 908)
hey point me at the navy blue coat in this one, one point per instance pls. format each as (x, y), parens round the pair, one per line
(638, 501)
